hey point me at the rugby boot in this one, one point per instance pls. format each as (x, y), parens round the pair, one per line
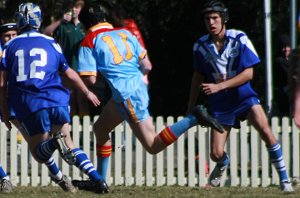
(216, 175)
(89, 185)
(65, 184)
(286, 187)
(6, 186)
(205, 120)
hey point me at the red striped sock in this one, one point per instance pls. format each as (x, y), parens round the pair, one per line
(167, 136)
(103, 151)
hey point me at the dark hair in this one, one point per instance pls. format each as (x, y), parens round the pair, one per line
(216, 6)
(99, 12)
(118, 15)
(284, 40)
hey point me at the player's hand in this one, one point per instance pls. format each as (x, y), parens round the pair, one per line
(93, 98)
(210, 88)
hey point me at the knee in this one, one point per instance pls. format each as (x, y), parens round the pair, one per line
(155, 146)
(37, 158)
(216, 155)
(152, 151)
(39, 154)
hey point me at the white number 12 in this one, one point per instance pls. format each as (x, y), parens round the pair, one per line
(36, 63)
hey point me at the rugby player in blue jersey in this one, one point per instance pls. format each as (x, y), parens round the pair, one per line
(224, 61)
(119, 58)
(30, 83)
(7, 32)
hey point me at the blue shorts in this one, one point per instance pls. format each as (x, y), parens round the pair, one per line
(41, 121)
(239, 113)
(135, 108)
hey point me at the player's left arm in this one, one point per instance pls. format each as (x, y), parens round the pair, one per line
(241, 78)
(3, 99)
(79, 84)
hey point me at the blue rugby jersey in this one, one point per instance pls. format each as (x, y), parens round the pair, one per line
(34, 62)
(115, 53)
(237, 54)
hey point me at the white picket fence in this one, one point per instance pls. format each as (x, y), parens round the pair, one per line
(131, 165)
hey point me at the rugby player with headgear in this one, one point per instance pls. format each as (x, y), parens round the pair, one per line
(30, 77)
(224, 61)
(7, 32)
(118, 56)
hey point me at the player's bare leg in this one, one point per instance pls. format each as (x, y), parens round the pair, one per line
(258, 119)
(154, 143)
(148, 137)
(108, 120)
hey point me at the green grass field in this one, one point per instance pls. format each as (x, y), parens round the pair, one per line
(149, 192)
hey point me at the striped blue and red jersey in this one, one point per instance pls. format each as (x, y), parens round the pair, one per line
(115, 53)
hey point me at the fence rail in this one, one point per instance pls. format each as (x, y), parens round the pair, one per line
(131, 165)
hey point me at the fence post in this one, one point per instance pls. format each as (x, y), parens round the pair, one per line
(286, 143)
(276, 130)
(76, 130)
(128, 155)
(171, 180)
(265, 162)
(181, 179)
(118, 161)
(254, 157)
(139, 153)
(160, 179)
(234, 151)
(191, 156)
(202, 147)
(296, 154)
(24, 159)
